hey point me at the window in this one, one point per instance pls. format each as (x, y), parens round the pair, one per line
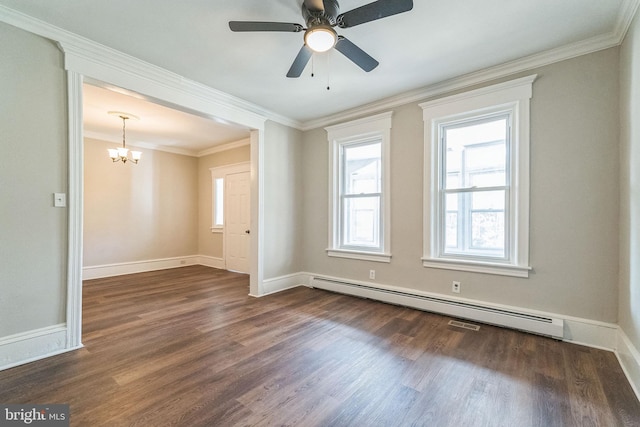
(359, 189)
(218, 202)
(477, 178)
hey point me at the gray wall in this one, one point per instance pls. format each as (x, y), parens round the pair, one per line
(283, 176)
(629, 312)
(33, 138)
(574, 200)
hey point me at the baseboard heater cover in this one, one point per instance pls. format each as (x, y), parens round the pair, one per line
(496, 316)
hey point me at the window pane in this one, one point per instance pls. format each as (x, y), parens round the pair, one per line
(493, 200)
(487, 222)
(487, 157)
(362, 168)
(218, 203)
(362, 221)
(487, 232)
(451, 230)
(476, 154)
(451, 221)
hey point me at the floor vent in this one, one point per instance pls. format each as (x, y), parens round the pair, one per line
(463, 325)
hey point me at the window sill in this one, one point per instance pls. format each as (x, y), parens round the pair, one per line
(361, 255)
(477, 267)
(217, 230)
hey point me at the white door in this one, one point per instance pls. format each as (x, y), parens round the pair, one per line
(237, 221)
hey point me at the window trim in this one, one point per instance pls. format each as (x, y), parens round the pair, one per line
(511, 96)
(361, 130)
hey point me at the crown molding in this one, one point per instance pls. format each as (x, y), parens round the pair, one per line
(468, 80)
(167, 148)
(81, 48)
(224, 147)
(83, 54)
(138, 144)
(626, 14)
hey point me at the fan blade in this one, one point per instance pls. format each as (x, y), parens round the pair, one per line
(300, 62)
(372, 11)
(355, 54)
(264, 26)
(314, 5)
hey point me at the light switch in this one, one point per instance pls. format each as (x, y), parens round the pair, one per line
(59, 200)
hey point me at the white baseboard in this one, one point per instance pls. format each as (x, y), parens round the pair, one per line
(282, 283)
(629, 359)
(590, 333)
(29, 346)
(210, 261)
(109, 270)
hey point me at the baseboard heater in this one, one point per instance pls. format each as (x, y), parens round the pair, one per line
(485, 314)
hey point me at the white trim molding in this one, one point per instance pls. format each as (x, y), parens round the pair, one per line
(225, 147)
(511, 98)
(75, 211)
(282, 283)
(210, 261)
(629, 359)
(626, 13)
(103, 63)
(614, 38)
(119, 269)
(29, 346)
(373, 129)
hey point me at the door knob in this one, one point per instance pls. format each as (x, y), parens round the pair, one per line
(247, 231)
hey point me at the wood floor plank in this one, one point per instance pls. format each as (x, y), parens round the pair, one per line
(188, 346)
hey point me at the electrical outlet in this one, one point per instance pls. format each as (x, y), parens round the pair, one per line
(455, 287)
(372, 274)
(60, 200)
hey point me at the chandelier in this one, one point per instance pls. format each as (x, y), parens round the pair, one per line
(122, 153)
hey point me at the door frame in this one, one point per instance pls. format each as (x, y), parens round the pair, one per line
(88, 62)
(223, 172)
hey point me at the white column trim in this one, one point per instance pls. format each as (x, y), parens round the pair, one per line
(75, 211)
(257, 214)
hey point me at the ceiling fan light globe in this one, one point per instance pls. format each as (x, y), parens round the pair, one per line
(320, 38)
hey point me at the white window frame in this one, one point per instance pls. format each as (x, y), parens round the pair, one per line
(372, 128)
(512, 97)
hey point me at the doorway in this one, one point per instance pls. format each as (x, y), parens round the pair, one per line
(231, 213)
(105, 68)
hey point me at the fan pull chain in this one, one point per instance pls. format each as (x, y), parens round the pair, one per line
(328, 71)
(312, 72)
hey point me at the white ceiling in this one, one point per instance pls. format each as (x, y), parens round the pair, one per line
(157, 126)
(436, 41)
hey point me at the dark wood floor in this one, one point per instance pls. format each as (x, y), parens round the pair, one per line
(188, 347)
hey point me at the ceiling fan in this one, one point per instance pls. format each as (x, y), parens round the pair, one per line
(319, 36)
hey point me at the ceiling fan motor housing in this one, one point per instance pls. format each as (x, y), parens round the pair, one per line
(327, 16)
